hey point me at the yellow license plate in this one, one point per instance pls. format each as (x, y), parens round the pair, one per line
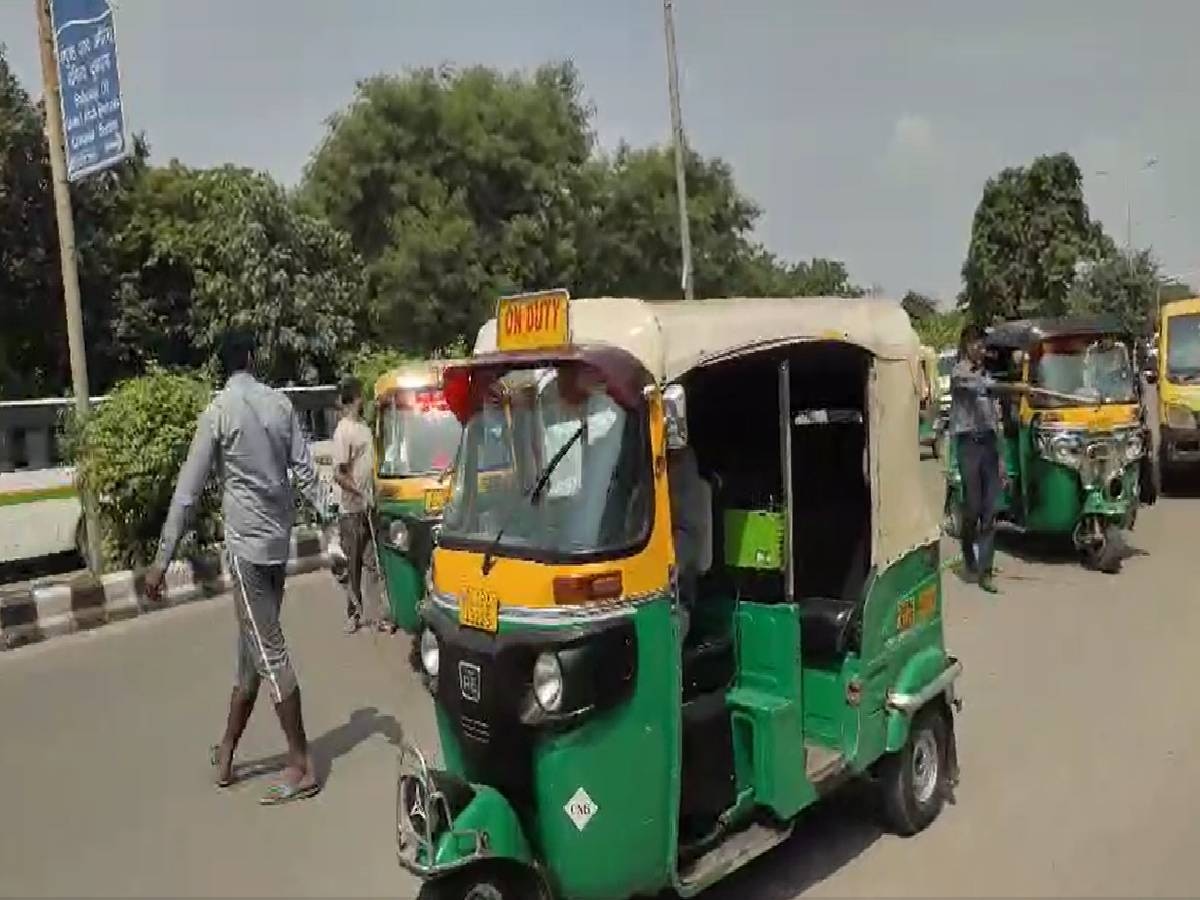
(533, 321)
(905, 615)
(480, 609)
(435, 499)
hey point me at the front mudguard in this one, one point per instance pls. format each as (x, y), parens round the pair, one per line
(444, 824)
(928, 676)
(1119, 511)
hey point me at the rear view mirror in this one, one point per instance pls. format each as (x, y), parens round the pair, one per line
(675, 414)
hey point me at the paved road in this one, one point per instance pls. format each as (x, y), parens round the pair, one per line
(1080, 748)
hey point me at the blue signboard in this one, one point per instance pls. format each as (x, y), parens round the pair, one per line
(93, 117)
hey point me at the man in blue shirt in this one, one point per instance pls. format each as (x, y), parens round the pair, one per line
(976, 430)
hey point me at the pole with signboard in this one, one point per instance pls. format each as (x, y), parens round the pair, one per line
(85, 129)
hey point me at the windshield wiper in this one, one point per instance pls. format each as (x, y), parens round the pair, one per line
(534, 495)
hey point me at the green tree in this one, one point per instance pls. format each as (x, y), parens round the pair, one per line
(918, 306)
(941, 330)
(1031, 229)
(209, 249)
(33, 344)
(129, 453)
(1123, 286)
(455, 186)
(459, 186)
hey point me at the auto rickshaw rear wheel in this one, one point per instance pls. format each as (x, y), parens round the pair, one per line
(915, 780)
(952, 516)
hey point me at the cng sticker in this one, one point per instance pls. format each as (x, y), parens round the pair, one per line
(580, 809)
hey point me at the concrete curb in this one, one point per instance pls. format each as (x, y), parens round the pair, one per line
(32, 615)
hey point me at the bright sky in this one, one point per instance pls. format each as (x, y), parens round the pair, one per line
(865, 130)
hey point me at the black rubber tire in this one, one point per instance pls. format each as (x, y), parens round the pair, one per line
(1162, 471)
(904, 812)
(1109, 554)
(483, 882)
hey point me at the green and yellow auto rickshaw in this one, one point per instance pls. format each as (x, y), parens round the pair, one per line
(1074, 440)
(708, 596)
(416, 439)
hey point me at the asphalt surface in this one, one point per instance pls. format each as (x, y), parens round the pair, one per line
(1079, 744)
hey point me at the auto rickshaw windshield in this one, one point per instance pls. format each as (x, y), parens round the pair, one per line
(418, 435)
(1096, 371)
(580, 477)
(1183, 348)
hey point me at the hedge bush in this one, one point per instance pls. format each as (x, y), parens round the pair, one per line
(129, 454)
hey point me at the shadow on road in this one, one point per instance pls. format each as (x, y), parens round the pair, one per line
(362, 725)
(827, 838)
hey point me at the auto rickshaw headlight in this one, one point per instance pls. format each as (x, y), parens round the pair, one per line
(1064, 449)
(398, 535)
(431, 653)
(548, 682)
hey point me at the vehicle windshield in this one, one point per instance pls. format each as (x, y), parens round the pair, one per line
(418, 435)
(1093, 371)
(1183, 349)
(596, 498)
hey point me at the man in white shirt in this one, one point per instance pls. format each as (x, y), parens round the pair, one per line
(354, 474)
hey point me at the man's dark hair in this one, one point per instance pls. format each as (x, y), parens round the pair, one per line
(237, 348)
(349, 390)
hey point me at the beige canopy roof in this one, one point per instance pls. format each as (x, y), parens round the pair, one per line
(671, 338)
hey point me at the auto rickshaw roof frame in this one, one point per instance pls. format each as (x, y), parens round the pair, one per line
(671, 339)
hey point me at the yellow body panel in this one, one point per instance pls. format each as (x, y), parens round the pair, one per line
(1170, 394)
(1092, 418)
(528, 584)
(408, 488)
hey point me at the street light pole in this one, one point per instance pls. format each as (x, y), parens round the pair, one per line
(67, 256)
(685, 236)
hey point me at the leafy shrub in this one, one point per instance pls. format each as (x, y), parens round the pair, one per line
(129, 453)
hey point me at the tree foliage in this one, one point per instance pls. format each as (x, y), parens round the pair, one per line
(210, 249)
(129, 453)
(459, 186)
(918, 306)
(942, 330)
(33, 344)
(1123, 286)
(1031, 230)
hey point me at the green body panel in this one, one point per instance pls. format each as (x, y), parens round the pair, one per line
(754, 539)
(765, 703)
(886, 650)
(488, 813)
(922, 667)
(403, 581)
(628, 762)
(1045, 497)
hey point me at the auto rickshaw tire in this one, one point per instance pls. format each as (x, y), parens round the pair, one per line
(911, 801)
(1108, 555)
(485, 882)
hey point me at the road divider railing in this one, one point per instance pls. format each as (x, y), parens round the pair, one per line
(41, 612)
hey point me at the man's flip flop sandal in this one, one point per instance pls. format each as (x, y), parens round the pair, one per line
(214, 758)
(278, 794)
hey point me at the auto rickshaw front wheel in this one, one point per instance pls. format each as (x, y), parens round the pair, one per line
(1105, 551)
(485, 882)
(916, 779)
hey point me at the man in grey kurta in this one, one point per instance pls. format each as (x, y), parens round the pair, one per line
(251, 436)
